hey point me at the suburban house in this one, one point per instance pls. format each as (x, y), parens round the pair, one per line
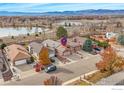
(55, 47)
(75, 43)
(63, 51)
(35, 48)
(100, 38)
(52, 45)
(110, 35)
(111, 39)
(17, 54)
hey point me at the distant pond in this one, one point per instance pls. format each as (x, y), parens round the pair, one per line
(18, 31)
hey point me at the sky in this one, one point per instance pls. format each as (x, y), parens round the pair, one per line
(50, 7)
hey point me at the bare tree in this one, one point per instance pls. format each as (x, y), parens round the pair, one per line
(53, 80)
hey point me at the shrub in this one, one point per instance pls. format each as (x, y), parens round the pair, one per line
(12, 37)
(32, 59)
(36, 35)
(103, 44)
(2, 46)
(40, 33)
(28, 34)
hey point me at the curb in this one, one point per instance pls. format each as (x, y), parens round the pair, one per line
(79, 77)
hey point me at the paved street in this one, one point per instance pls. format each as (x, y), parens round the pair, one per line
(65, 73)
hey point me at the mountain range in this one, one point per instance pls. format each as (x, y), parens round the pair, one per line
(65, 13)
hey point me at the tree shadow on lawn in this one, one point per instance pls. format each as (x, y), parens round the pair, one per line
(63, 70)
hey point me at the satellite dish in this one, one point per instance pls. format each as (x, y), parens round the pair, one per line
(64, 41)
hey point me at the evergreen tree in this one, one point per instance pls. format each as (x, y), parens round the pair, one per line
(2, 46)
(87, 45)
(121, 39)
(61, 31)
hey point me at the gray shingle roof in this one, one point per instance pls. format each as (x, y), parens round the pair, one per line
(51, 43)
(36, 47)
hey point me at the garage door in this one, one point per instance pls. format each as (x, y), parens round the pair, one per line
(20, 62)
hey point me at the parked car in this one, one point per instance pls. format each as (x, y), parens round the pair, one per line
(97, 49)
(50, 68)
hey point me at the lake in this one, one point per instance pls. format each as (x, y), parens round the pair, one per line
(20, 31)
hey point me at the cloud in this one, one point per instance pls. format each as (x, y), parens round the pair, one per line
(48, 7)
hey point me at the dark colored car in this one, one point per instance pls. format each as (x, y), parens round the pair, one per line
(50, 68)
(97, 49)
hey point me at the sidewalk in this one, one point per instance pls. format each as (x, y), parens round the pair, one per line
(80, 77)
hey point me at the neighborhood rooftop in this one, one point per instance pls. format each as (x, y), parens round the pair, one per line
(16, 52)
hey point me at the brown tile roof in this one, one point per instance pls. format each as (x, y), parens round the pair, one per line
(16, 52)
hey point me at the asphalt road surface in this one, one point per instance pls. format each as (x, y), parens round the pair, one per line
(64, 73)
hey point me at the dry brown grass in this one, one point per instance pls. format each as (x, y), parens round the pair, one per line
(79, 82)
(98, 76)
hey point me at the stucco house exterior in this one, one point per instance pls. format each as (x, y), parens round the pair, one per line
(35, 48)
(73, 45)
(55, 47)
(17, 54)
(63, 51)
(52, 45)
